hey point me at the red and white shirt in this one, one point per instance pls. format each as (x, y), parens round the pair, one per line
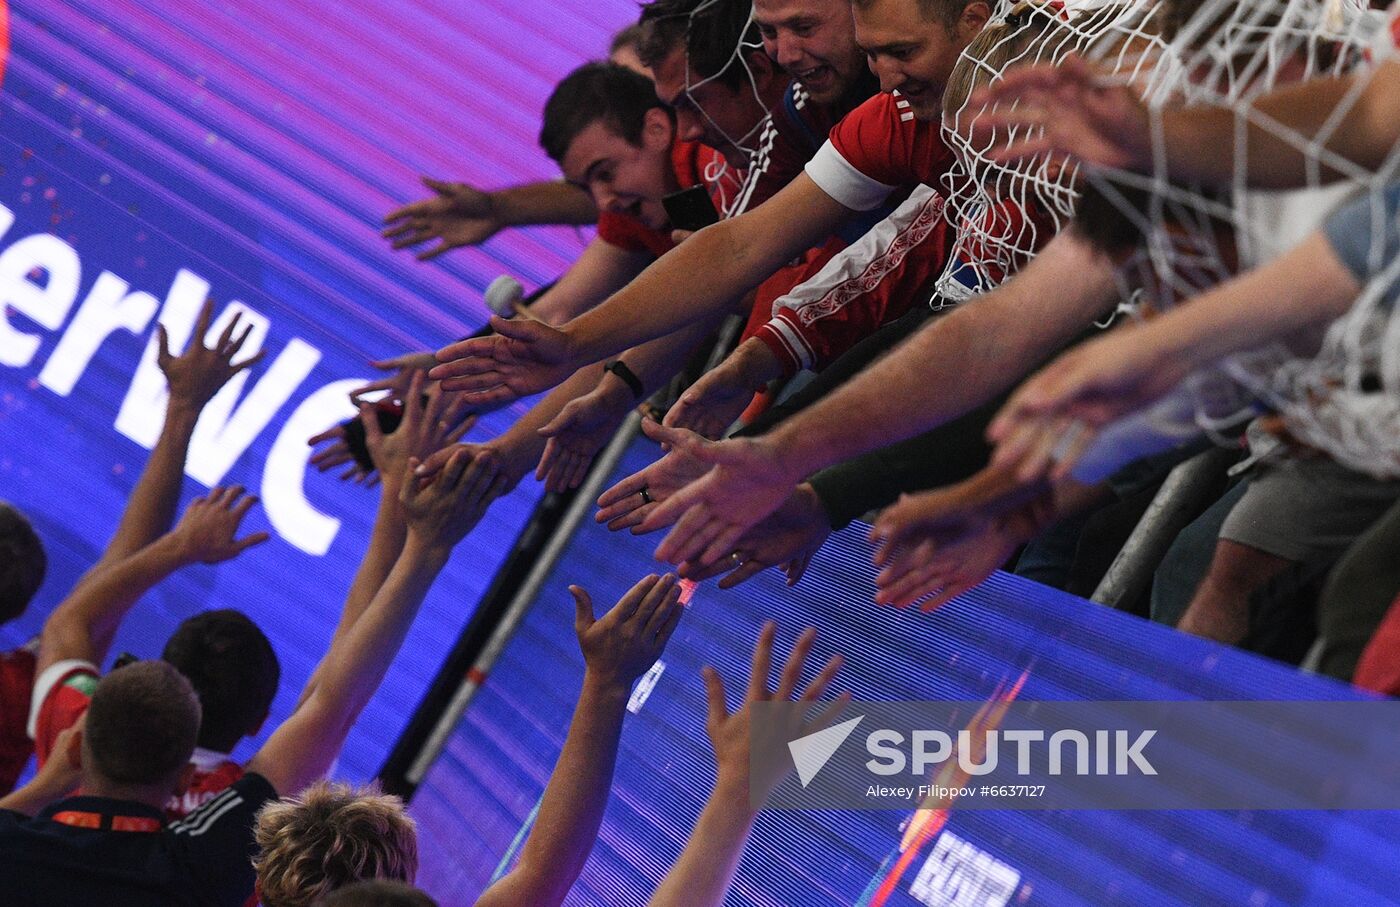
(61, 696)
(876, 149)
(213, 774)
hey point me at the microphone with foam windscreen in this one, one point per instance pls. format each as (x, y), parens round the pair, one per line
(503, 297)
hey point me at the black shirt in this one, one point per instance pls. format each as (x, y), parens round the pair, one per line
(96, 850)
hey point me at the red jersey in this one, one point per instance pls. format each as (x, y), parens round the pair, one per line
(214, 773)
(16, 683)
(61, 696)
(878, 148)
(694, 164)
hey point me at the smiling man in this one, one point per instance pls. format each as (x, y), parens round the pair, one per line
(890, 142)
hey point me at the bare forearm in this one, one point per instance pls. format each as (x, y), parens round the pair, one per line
(150, 511)
(954, 363)
(302, 748)
(1307, 286)
(702, 874)
(573, 803)
(34, 796)
(385, 544)
(84, 624)
(548, 202)
(1364, 135)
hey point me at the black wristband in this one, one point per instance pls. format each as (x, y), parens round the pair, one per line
(620, 369)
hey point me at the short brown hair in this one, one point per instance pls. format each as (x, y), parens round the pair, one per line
(142, 723)
(330, 836)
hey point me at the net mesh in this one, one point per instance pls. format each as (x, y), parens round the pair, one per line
(1343, 395)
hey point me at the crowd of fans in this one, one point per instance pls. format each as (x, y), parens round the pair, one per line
(988, 267)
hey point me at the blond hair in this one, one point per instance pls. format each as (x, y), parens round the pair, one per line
(330, 836)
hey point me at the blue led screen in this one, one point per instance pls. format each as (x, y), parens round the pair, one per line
(477, 798)
(155, 152)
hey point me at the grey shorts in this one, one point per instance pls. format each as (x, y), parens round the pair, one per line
(1308, 511)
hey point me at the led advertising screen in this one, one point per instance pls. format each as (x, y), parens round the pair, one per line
(155, 153)
(1008, 637)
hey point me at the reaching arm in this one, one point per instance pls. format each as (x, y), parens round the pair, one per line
(601, 270)
(950, 366)
(1108, 125)
(460, 215)
(618, 648)
(702, 275)
(705, 869)
(194, 377)
(438, 515)
(1131, 367)
(83, 625)
(420, 432)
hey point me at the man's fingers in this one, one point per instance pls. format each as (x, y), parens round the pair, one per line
(661, 615)
(441, 187)
(762, 662)
(256, 538)
(249, 362)
(335, 431)
(792, 668)
(201, 324)
(413, 405)
(716, 708)
(818, 686)
(433, 252)
(672, 611)
(796, 568)
(241, 508)
(654, 597)
(583, 608)
(628, 604)
(163, 348)
(746, 571)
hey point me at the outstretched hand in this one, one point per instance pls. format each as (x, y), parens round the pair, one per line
(198, 373)
(522, 358)
(206, 533)
(624, 506)
(788, 539)
(581, 429)
(396, 384)
(746, 482)
(1052, 418)
(949, 540)
(730, 733)
(1063, 108)
(710, 405)
(455, 214)
(624, 643)
(440, 511)
(423, 430)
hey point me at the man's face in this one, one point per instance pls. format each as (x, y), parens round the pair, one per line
(712, 112)
(813, 40)
(622, 177)
(910, 54)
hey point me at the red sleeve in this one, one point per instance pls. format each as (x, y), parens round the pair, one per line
(632, 235)
(875, 281)
(877, 138)
(64, 703)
